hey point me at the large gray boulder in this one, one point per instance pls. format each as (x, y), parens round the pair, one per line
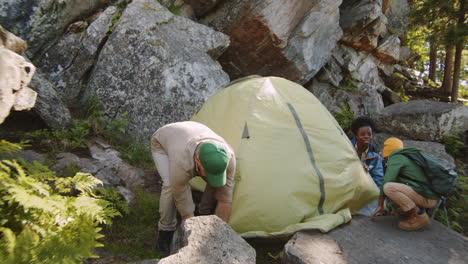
(12, 42)
(127, 194)
(40, 22)
(423, 120)
(362, 68)
(435, 149)
(208, 240)
(388, 50)
(68, 63)
(310, 45)
(49, 106)
(291, 39)
(379, 241)
(32, 156)
(363, 24)
(115, 167)
(105, 164)
(365, 29)
(359, 102)
(352, 78)
(405, 53)
(156, 68)
(29, 156)
(390, 97)
(15, 74)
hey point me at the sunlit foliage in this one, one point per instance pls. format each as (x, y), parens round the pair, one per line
(47, 219)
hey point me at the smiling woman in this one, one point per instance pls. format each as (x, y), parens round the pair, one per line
(363, 130)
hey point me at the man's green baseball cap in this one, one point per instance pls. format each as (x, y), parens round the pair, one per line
(214, 159)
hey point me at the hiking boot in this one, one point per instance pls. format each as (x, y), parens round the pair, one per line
(416, 221)
(164, 241)
(402, 215)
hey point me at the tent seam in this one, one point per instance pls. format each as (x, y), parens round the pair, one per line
(311, 157)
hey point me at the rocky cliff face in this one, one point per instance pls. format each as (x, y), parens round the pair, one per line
(41, 22)
(291, 39)
(150, 66)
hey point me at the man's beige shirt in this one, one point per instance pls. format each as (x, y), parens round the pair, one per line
(179, 142)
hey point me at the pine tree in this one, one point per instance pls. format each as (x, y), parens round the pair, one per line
(461, 33)
(448, 67)
(432, 60)
(445, 24)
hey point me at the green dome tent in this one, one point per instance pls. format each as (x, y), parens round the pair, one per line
(296, 169)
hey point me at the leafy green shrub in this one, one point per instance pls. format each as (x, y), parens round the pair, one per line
(70, 170)
(344, 117)
(136, 154)
(114, 131)
(93, 124)
(118, 125)
(121, 4)
(46, 219)
(430, 83)
(463, 91)
(453, 143)
(348, 84)
(175, 9)
(62, 140)
(403, 96)
(9, 148)
(110, 194)
(399, 76)
(455, 212)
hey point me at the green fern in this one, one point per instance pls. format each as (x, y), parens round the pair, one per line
(110, 194)
(8, 148)
(62, 140)
(37, 170)
(46, 219)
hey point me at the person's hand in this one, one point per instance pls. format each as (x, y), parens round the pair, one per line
(379, 211)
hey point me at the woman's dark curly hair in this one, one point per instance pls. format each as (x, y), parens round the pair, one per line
(362, 121)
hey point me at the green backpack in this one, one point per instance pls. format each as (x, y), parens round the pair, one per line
(443, 180)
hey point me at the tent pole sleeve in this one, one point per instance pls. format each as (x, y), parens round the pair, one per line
(311, 157)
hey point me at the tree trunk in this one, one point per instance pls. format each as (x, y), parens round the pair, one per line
(456, 71)
(432, 61)
(448, 66)
(458, 53)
